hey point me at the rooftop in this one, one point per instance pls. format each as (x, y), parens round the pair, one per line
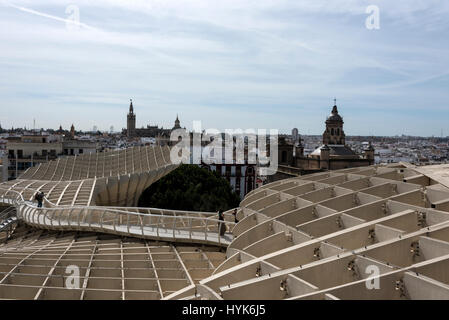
(309, 237)
(335, 150)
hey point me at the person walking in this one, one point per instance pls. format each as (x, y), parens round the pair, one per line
(235, 216)
(39, 197)
(221, 225)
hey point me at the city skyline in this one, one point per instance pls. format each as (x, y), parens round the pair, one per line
(232, 65)
(112, 129)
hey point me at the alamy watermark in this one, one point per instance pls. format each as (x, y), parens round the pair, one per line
(372, 22)
(372, 282)
(73, 18)
(73, 279)
(233, 146)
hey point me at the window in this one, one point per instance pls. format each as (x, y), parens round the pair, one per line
(332, 131)
(11, 154)
(71, 152)
(80, 151)
(44, 153)
(284, 156)
(19, 153)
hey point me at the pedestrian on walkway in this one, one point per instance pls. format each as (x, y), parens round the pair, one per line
(39, 197)
(235, 216)
(221, 225)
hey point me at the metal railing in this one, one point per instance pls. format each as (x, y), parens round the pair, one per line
(8, 221)
(169, 225)
(7, 213)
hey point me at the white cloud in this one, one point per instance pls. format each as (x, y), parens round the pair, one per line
(255, 58)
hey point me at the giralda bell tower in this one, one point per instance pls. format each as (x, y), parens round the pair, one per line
(131, 123)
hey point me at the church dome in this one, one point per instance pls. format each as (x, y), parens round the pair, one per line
(334, 116)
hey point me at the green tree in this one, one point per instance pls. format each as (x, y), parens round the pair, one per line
(192, 188)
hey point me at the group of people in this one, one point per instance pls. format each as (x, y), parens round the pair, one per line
(222, 225)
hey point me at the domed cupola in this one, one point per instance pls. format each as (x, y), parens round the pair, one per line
(334, 116)
(334, 134)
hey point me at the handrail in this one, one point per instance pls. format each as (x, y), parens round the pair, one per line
(71, 217)
(227, 213)
(5, 214)
(115, 210)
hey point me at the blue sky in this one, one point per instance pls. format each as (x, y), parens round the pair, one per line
(231, 64)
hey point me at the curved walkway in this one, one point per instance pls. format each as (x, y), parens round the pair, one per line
(168, 225)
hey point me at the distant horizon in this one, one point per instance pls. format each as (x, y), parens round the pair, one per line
(280, 133)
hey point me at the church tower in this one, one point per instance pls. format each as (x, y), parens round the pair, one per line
(72, 131)
(177, 124)
(131, 123)
(334, 134)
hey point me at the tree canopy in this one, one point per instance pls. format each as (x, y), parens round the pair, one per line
(192, 188)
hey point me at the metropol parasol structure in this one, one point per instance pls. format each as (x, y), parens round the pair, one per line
(377, 232)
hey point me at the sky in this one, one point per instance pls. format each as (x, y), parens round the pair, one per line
(262, 64)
